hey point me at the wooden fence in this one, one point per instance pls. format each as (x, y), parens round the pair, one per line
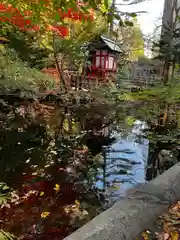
(76, 80)
(139, 82)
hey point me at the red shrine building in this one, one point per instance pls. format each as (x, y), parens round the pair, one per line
(103, 54)
(103, 57)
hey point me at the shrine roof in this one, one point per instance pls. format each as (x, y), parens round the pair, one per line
(111, 44)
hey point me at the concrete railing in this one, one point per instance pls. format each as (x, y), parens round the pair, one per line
(129, 217)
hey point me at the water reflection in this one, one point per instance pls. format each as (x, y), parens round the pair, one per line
(125, 163)
(42, 149)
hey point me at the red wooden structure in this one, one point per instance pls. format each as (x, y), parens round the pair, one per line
(103, 55)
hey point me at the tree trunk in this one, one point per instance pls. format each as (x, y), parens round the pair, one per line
(62, 82)
(167, 71)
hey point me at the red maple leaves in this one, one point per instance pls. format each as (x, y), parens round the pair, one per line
(15, 17)
(75, 15)
(23, 20)
(60, 30)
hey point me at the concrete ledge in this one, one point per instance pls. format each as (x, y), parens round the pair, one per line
(130, 216)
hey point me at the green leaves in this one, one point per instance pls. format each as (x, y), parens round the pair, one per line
(6, 236)
(3, 186)
(106, 4)
(13, 72)
(133, 15)
(57, 17)
(121, 23)
(129, 23)
(117, 16)
(110, 18)
(130, 120)
(5, 195)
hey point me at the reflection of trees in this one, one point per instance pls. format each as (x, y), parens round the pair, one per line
(17, 148)
(41, 146)
(163, 135)
(116, 167)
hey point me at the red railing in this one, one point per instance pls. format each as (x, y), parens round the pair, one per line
(76, 80)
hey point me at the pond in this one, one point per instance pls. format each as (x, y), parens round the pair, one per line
(53, 183)
(125, 162)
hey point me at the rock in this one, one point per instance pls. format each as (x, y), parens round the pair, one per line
(166, 159)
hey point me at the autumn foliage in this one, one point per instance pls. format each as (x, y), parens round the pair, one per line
(23, 20)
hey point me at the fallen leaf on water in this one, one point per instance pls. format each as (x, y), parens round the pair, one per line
(77, 202)
(45, 214)
(57, 187)
(66, 209)
(166, 236)
(85, 213)
(115, 187)
(162, 236)
(174, 235)
(145, 235)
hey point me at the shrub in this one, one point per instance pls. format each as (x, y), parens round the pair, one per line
(14, 74)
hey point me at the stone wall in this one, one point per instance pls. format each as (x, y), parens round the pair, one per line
(134, 214)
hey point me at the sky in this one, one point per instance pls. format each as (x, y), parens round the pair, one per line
(151, 19)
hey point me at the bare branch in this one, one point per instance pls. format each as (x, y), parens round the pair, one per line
(131, 2)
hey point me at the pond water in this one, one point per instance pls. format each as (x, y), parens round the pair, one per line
(125, 162)
(55, 184)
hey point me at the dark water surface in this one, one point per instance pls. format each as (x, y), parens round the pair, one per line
(64, 181)
(125, 162)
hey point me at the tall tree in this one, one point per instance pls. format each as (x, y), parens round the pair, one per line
(131, 38)
(49, 19)
(167, 41)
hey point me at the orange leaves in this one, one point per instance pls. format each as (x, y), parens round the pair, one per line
(24, 20)
(3, 7)
(174, 235)
(145, 235)
(73, 209)
(170, 223)
(60, 30)
(6, 7)
(15, 17)
(76, 15)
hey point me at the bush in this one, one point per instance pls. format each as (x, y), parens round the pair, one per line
(14, 74)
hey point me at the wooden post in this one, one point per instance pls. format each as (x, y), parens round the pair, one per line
(76, 81)
(80, 81)
(97, 82)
